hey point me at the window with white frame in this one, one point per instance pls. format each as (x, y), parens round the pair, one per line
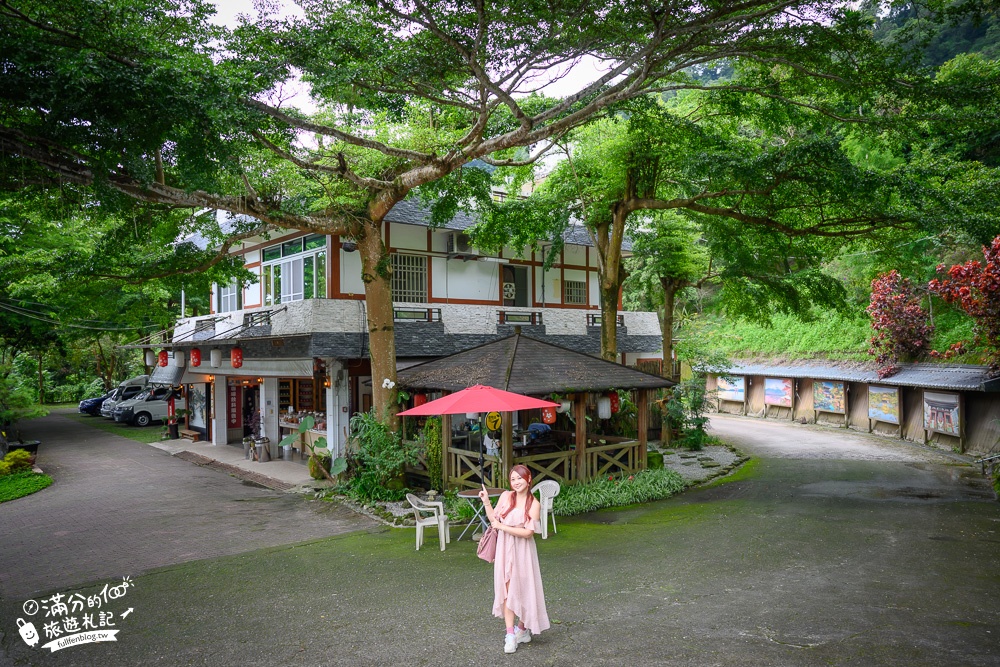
(576, 292)
(230, 297)
(409, 278)
(294, 270)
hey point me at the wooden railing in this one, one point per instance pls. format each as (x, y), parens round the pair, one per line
(463, 468)
(560, 466)
(418, 469)
(613, 459)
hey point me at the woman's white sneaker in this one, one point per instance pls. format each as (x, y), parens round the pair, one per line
(510, 643)
(523, 635)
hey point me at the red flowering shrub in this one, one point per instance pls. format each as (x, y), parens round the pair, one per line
(975, 287)
(900, 324)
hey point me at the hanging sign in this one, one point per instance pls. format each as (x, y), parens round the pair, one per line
(494, 421)
(234, 406)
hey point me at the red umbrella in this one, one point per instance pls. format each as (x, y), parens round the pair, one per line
(478, 399)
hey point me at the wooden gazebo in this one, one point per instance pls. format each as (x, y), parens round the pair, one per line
(529, 366)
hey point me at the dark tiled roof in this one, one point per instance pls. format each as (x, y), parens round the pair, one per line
(526, 366)
(412, 212)
(933, 376)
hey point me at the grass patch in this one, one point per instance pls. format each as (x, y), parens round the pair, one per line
(145, 435)
(832, 336)
(749, 469)
(20, 484)
(642, 487)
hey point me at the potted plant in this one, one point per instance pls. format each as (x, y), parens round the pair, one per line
(336, 466)
(252, 422)
(15, 404)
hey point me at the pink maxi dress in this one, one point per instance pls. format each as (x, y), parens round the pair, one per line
(515, 571)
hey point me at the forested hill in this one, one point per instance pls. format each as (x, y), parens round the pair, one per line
(908, 24)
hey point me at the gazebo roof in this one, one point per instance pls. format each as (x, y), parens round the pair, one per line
(526, 366)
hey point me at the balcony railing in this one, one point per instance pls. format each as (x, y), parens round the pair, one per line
(257, 319)
(519, 317)
(416, 314)
(594, 320)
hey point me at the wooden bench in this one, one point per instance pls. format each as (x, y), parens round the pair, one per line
(194, 436)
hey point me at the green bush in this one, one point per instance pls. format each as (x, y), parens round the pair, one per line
(617, 492)
(379, 460)
(17, 460)
(22, 484)
(4, 468)
(432, 444)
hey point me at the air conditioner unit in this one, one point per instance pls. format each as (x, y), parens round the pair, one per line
(461, 244)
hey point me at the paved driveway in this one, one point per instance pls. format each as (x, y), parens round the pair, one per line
(820, 552)
(119, 507)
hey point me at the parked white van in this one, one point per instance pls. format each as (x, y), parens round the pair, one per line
(149, 406)
(127, 390)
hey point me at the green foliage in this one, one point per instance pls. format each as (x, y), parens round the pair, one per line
(379, 459)
(16, 403)
(21, 484)
(432, 448)
(17, 460)
(831, 335)
(620, 491)
(316, 449)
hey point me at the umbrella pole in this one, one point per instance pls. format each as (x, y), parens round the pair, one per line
(482, 474)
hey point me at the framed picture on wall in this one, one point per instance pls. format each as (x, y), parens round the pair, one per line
(829, 397)
(883, 404)
(732, 388)
(943, 413)
(778, 391)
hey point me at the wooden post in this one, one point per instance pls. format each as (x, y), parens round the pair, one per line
(445, 446)
(507, 449)
(795, 394)
(643, 422)
(580, 414)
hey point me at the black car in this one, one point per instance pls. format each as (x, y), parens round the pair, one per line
(92, 406)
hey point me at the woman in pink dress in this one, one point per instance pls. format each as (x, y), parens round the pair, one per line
(517, 582)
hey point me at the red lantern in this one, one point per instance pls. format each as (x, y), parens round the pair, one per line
(549, 415)
(419, 399)
(195, 356)
(162, 358)
(615, 403)
(236, 357)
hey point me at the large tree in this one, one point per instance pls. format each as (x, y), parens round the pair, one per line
(146, 100)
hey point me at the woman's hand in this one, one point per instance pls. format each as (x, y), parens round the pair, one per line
(484, 495)
(496, 524)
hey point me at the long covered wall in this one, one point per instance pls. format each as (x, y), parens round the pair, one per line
(980, 411)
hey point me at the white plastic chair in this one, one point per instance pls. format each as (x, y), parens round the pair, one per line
(436, 517)
(547, 490)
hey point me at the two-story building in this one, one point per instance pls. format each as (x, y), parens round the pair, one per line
(300, 330)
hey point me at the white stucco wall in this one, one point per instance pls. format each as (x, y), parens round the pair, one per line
(410, 237)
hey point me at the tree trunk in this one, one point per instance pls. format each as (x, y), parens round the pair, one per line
(609, 320)
(609, 237)
(376, 273)
(669, 293)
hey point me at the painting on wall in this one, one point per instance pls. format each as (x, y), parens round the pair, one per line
(196, 406)
(883, 404)
(829, 397)
(942, 413)
(778, 391)
(732, 388)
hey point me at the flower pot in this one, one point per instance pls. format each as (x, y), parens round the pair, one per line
(30, 446)
(262, 452)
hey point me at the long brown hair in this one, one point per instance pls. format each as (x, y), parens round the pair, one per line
(525, 474)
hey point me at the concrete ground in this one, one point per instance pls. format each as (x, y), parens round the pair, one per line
(821, 551)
